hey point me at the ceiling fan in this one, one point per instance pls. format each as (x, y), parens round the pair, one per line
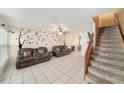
(61, 31)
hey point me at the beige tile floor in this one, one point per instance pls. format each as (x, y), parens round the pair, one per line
(63, 70)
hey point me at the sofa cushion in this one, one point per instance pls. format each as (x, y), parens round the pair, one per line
(36, 54)
(27, 60)
(27, 54)
(41, 52)
(34, 50)
(44, 56)
(58, 49)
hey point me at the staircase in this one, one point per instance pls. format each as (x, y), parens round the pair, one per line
(107, 60)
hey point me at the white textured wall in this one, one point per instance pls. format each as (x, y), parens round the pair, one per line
(84, 43)
(72, 39)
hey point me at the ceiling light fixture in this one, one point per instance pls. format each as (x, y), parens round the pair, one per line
(60, 30)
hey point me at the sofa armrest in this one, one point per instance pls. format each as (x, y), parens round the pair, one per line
(20, 57)
(50, 53)
(18, 63)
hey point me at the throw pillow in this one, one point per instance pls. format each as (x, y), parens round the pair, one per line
(27, 54)
(41, 51)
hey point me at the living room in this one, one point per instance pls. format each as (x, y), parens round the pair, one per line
(45, 46)
(61, 46)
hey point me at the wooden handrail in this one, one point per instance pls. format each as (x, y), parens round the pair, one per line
(119, 27)
(88, 55)
(92, 43)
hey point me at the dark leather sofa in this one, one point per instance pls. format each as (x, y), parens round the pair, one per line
(28, 56)
(60, 50)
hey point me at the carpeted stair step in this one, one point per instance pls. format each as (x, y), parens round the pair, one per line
(108, 60)
(110, 34)
(95, 80)
(110, 31)
(110, 45)
(109, 41)
(111, 77)
(110, 55)
(109, 50)
(107, 67)
(107, 38)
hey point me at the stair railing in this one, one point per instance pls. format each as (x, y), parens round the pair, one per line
(88, 54)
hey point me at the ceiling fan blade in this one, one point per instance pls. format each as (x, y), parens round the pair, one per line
(66, 32)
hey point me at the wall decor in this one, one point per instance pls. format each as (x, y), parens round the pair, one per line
(30, 37)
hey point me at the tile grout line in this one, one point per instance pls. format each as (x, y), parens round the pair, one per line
(22, 77)
(65, 73)
(54, 74)
(33, 76)
(11, 76)
(74, 74)
(71, 71)
(44, 75)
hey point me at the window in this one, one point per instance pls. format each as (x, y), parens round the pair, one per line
(3, 37)
(3, 49)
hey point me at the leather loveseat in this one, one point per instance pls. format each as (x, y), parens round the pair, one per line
(60, 50)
